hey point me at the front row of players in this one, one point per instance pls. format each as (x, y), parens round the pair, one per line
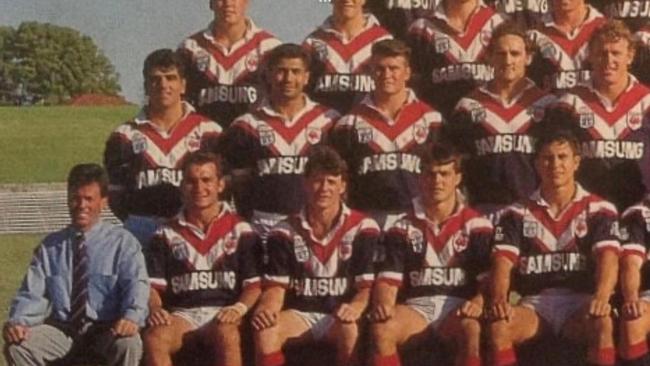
(559, 249)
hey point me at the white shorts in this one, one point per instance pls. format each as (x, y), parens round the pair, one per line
(198, 317)
(263, 222)
(435, 309)
(319, 323)
(556, 306)
(644, 295)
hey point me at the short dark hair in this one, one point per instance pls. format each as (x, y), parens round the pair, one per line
(84, 174)
(441, 153)
(202, 158)
(163, 58)
(391, 48)
(510, 28)
(556, 134)
(285, 51)
(324, 159)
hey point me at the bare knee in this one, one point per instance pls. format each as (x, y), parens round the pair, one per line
(471, 331)
(500, 336)
(227, 335)
(601, 329)
(268, 340)
(383, 335)
(157, 338)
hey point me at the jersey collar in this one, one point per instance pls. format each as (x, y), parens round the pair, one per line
(327, 26)
(251, 30)
(592, 14)
(439, 13)
(266, 108)
(607, 104)
(420, 211)
(142, 117)
(182, 220)
(343, 214)
(529, 85)
(370, 103)
(579, 195)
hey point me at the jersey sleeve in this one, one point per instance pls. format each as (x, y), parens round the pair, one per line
(391, 268)
(480, 241)
(238, 146)
(210, 139)
(278, 268)
(156, 261)
(633, 231)
(363, 256)
(118, 156)
(507, 238)
(250, 259)
(603, 222)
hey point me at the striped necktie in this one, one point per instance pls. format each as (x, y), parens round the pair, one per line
(79, 293)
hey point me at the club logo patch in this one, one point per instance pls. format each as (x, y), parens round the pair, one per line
(139, 143)
(179, 249)
(313, 135)
(267, 136)
(441, 44)
(364, 135)
(416, 239)
(420, 133)
(530, 229)
(300, 249)
(634, 120)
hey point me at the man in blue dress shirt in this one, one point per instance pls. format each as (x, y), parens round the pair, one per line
(86, 288)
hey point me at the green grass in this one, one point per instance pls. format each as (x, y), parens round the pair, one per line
(40, 144)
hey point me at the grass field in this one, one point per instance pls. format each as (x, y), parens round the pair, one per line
(40, 144)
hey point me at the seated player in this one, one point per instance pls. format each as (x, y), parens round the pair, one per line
(224, 62)
(493, 125)
(143, 155)
(204, 269)
(320, 270)
(610, 117)
(379, 138)
(559, 250)
(561, 38)
(433, 257)
(340, 48)
(635, 285)
(268, 147)
(449, 48)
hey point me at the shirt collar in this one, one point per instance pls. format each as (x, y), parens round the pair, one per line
(592, 13)
(181, 219)
(579, 194)
(609, 105)
(92, 232)
(251, 30)
(529, 85)
(420, 211)
(328, 26)
(304, 223)
(266, 108)
(439, 11)
(142, 117)
(370, 103)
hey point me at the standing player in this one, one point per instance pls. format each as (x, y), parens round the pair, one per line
(380, 136)
(397, 16)
(143, 156)
(562, 39)
(433, 257)
(635, 285)
(563, 247)
(340, 48)
(610, 117)
(225, 59)
(270, 144)
(493, 124)
(320, 269)
(526, 13)
(449, 47)
(204, 271)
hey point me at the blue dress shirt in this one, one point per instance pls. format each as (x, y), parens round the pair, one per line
(118, 285)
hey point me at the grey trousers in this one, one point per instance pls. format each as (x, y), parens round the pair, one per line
(47, 344)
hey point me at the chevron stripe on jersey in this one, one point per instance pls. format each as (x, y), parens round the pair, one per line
(498, 117)
(279, 138)
(411, 127)
(343, 56)
(229, 66)
(167, 150)
(605, 121)
(325, 255)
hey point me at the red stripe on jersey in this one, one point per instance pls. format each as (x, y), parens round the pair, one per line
(227, 61)
(507, 114)
(178, 132)
(475, 25)
(346, 51)
(572, 46)
(289, 133)
(217, 229)
(409, 114)
(623, 105)
(560, 225)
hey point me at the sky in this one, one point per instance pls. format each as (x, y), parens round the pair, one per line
(127, 30)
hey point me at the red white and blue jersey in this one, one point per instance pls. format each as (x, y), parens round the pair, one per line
(615, 140)
(144, 163)
(635, 13)
(561, 62)
(397, 15)
(497, 135)
(427, 259)
(526, 13)
(635, 237)
(340, 71)
(320, 274)
(382, 152)
(192, 268)
(223, 82)
(450, 63)
(556, 252)
(276, 149)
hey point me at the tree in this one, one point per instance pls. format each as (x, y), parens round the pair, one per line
(54, 62)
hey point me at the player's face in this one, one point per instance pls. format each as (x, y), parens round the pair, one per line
(201, 187)
(348, 9)
(85, 205)
(165, 87)
(565, 6)
(439, 182)
(325, 190)
(509, 58)
(556, 165)
(229, 11)
(390, 74)
(610, 61)
(288, 78)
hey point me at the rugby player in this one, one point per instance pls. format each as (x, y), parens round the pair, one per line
(396, 16)
(204, 271)
(340, 48)
(562, 38)
(268, 147)
(493, 124)
(433, 257)
(224, 62)
(449, 48)
(635, 285)
(320, 270)
(143, 156)
(610, 116)
(380, 137)
(560, 247)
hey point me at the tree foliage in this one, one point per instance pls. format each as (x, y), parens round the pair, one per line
(53, 62)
